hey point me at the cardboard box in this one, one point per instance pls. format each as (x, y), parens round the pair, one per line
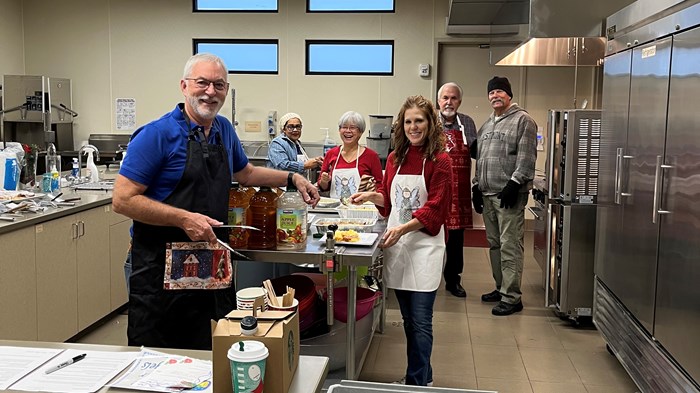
(278, 330)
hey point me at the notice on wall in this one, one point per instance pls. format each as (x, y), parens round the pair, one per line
(125, 113)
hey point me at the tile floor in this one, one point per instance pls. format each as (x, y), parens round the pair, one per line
(532, 351)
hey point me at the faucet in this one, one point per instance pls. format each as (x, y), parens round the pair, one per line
(80, 160)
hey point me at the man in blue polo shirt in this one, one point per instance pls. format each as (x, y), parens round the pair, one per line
(174, 184)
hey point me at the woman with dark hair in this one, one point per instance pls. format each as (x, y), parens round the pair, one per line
(415, 195)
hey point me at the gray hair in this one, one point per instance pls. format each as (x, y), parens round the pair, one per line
(449, 84)
(202, 57)
(354, 118)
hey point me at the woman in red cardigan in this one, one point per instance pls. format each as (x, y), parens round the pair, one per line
(350, 168)
(415, 195)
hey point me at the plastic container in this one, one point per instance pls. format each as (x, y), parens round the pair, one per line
(238, 204)
(364, 304)
(291, 220)
(328, 142)
(263, 215)
(356, 224)
(92, 172)
(75, 170)
(360, 211)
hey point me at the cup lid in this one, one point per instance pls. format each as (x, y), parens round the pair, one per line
(248, 351)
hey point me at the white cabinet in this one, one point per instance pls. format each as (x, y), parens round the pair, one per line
(18, 306)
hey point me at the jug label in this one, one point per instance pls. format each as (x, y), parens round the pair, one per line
(291, 225)
(236, 216)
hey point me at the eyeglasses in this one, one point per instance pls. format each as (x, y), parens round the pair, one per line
(204, 83)
(292, 127)
(351, 128)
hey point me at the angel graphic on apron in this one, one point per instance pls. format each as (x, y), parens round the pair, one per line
(345, 181)
(406, 200)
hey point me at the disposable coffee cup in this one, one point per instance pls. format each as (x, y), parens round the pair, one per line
(247, 359)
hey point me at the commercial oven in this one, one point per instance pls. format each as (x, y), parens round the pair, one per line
(571, 194)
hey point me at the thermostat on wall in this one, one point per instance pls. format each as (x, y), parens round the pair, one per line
(424, 69)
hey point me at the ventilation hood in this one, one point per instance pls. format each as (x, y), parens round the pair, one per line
(551, 32)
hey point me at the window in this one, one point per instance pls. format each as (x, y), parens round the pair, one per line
(234, 6)
(324, 57)
(349, 5)
(242, 56)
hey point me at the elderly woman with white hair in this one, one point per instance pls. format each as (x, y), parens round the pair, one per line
(285, 151)
(349, 167)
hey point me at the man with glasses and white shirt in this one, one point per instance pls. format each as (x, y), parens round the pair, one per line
(174, 184)
(286, 152)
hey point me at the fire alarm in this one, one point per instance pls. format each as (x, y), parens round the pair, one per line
(424, 69)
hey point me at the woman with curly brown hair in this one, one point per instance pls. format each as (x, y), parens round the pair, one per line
(415, 195)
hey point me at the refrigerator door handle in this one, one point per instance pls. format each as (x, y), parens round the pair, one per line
(624, 157)
(661, 211)
(655, 204)
(618, 178)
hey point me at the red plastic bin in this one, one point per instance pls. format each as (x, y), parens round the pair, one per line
(364, 304)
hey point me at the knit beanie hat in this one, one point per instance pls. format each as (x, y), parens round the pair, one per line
(500, 83)
(287, 117)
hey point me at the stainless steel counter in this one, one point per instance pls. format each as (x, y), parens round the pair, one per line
(352, 257)
(309, 377)
(88, 199)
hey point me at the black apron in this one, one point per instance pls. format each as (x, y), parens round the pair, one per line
(180, 319)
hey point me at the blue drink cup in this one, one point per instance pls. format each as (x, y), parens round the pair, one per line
(248, 360)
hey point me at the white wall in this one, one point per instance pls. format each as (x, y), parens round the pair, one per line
(136, 49)
(11, 38)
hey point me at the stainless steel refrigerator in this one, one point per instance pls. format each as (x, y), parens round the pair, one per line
(647, 258)
(572, 187)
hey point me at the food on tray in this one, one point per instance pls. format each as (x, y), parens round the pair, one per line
(328, 202)
(344, 221)
(348, 236)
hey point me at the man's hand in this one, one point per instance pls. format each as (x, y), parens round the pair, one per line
(308, 191)
(509, 194)
(198, 227)
(477, 199)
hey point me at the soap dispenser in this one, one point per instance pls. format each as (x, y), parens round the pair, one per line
(92, 172)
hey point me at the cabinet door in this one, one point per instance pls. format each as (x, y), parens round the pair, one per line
(93, 262)
(56, 273)
(119, 237)
(678, 292)
(18, 286)
(646, 135)
(613, 139)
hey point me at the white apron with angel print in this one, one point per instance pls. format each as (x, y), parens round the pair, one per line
(415, 262)
(345, 181)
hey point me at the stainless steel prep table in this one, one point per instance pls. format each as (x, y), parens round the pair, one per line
(352, 257)
(309, 377)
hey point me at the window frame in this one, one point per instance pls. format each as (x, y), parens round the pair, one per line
(196, 41)
(310, 11)
(308, 43)
(195, 9)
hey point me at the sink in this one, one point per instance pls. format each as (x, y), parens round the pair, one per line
(255, 148)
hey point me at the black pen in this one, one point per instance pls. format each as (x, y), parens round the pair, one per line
(66, 363)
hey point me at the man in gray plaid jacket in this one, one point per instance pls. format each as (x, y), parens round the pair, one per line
(505, 167)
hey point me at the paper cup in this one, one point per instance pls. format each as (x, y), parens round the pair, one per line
(293, 307)
(247, 359)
